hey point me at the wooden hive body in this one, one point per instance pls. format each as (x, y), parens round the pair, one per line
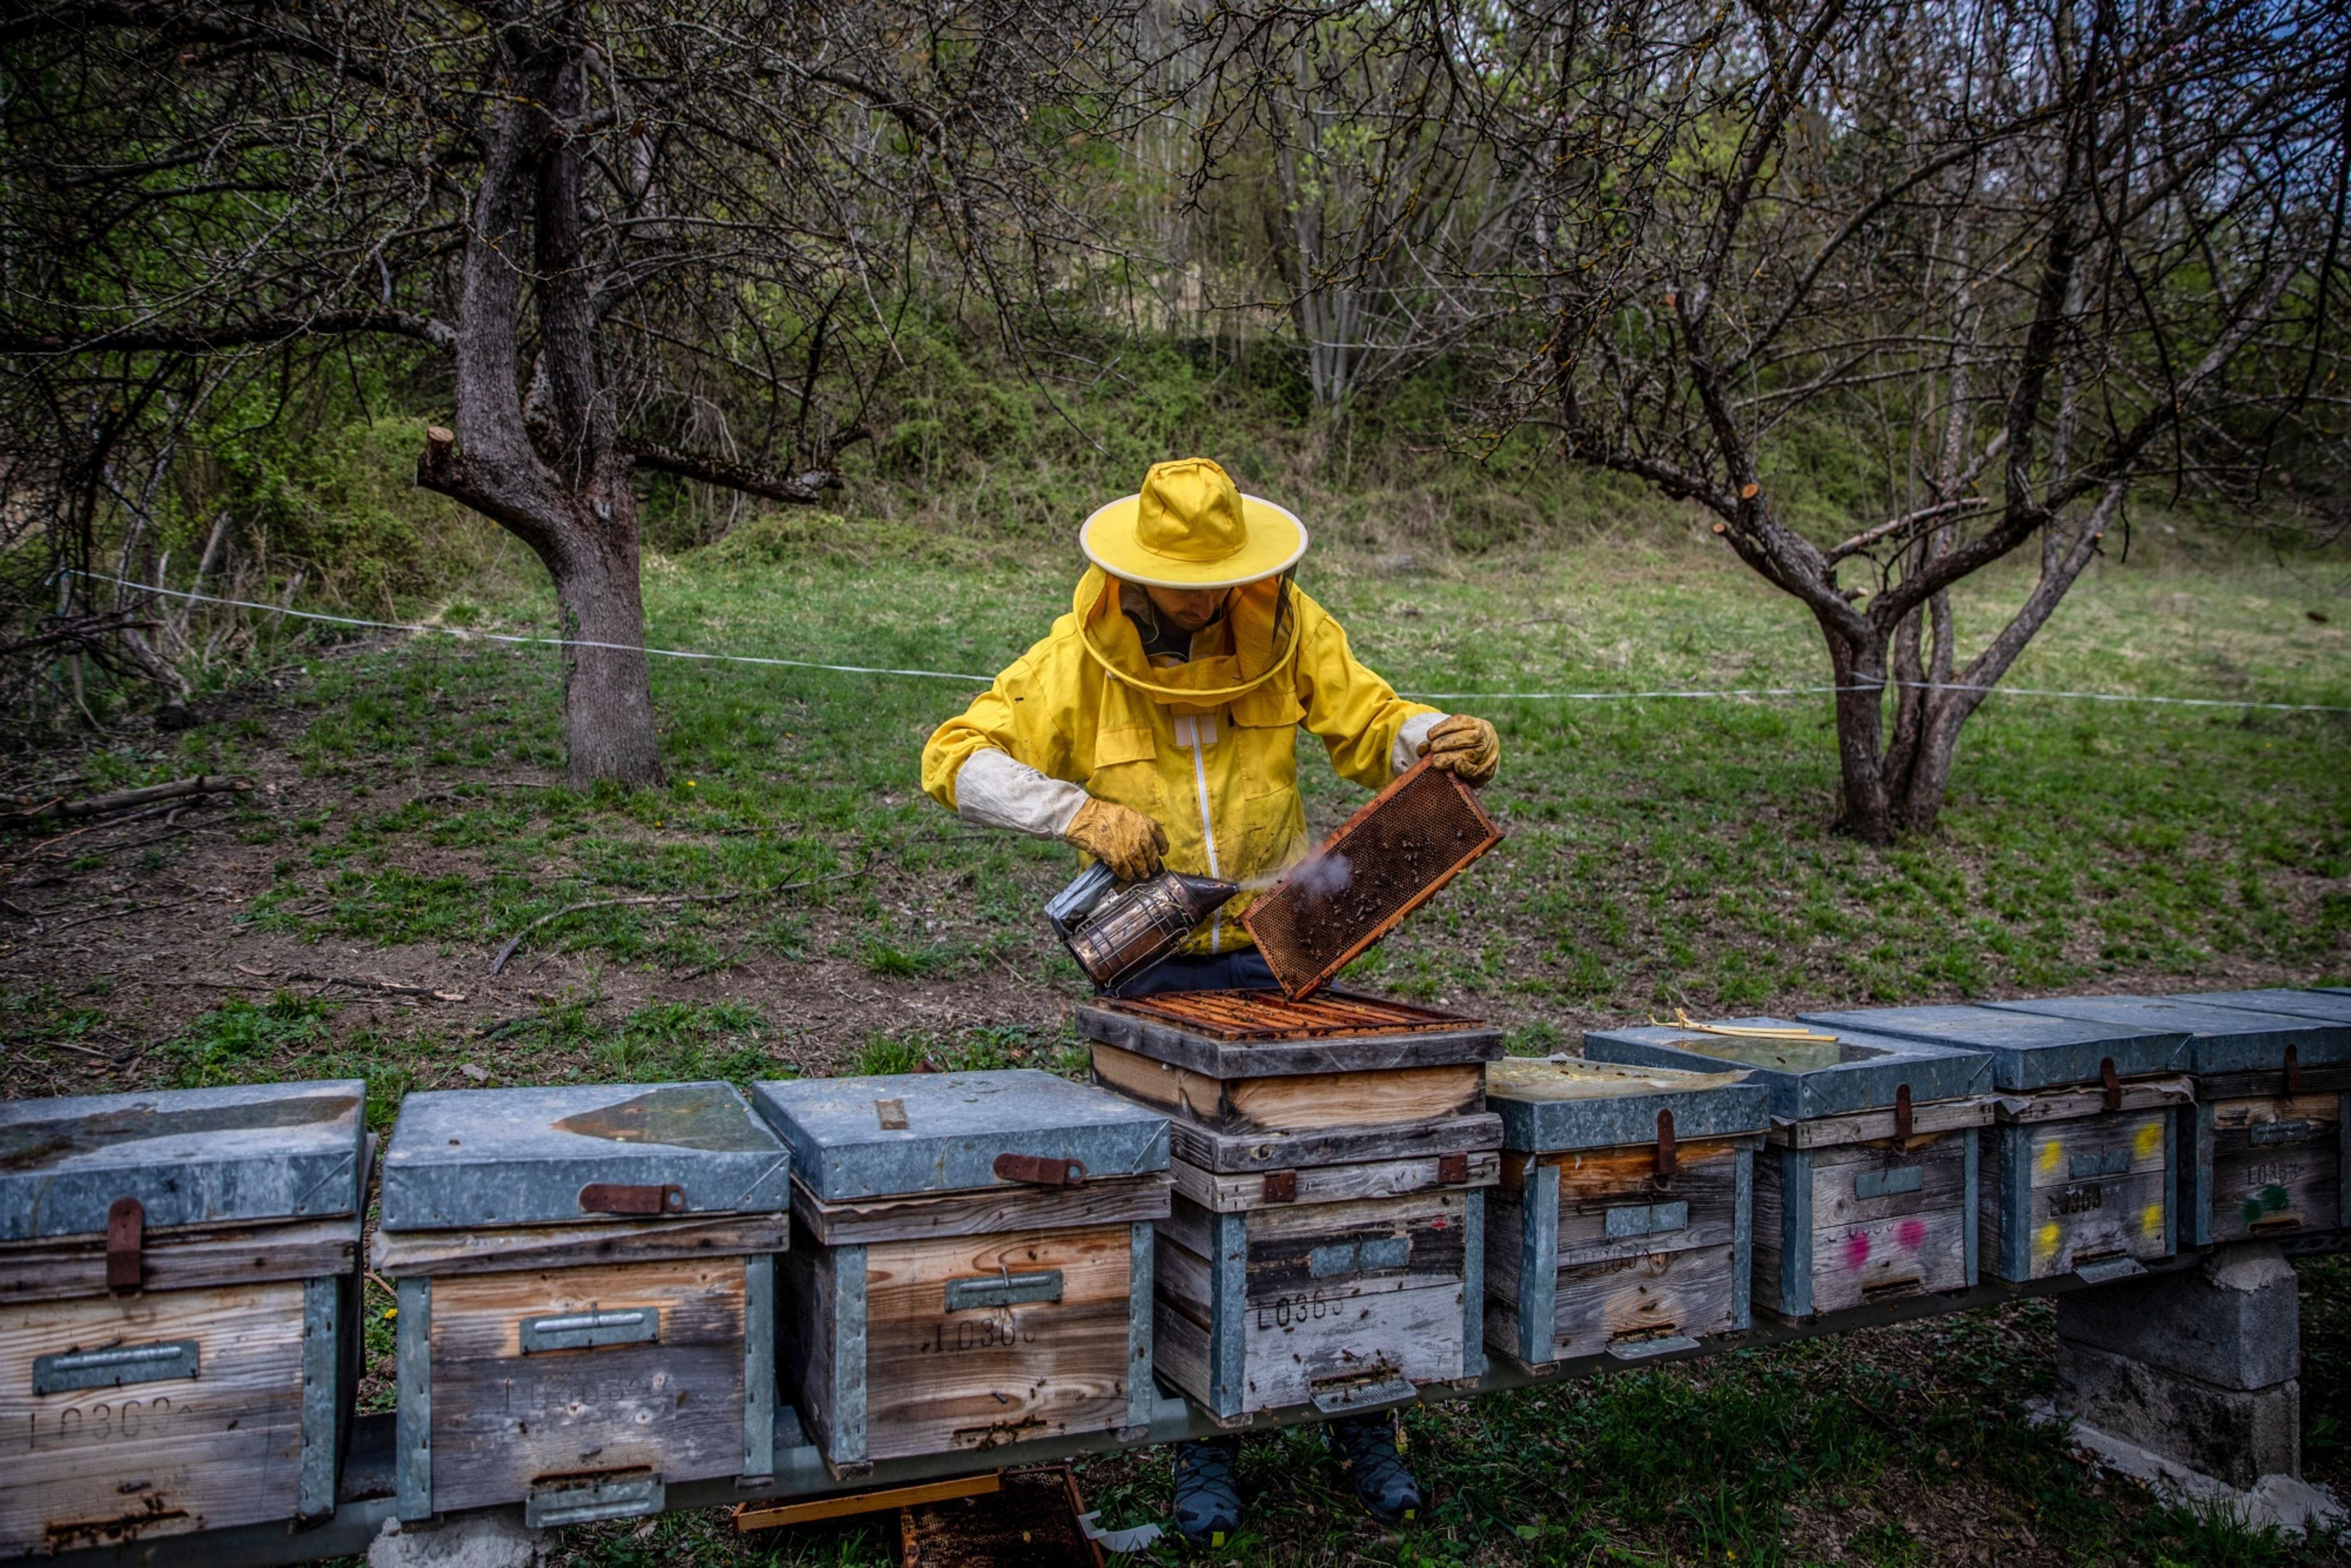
(206, 1388)
(950, 1288)
(586, 1281)
(1326, 1241)
(2261, 1150)
(1613, 1231)
(2080, 1177)
(1866, 1187)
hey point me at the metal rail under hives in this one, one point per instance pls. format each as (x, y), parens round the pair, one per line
(365, 1496)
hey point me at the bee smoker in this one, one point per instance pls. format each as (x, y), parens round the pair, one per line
(1117, 932)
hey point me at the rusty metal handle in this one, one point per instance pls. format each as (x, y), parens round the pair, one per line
(2113, 1087)
(1281, 1186)
(622, 1198)
(1040, 1170)
(126, 1243)
(1667, 1155)
(2293, 1071)
(1902, 1111)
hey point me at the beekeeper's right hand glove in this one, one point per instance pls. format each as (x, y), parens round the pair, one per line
(1120, 837)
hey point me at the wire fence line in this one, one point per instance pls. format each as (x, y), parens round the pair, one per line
(464, 633)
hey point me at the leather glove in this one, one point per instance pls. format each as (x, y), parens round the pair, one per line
(1466, 747)
(1120, 837)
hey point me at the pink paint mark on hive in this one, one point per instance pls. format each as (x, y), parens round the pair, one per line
(1914, 1234)
(1856, 1251)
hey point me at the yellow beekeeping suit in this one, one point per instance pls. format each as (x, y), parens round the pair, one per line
(1218, 772)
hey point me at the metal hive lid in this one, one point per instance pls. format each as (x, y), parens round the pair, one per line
(1859, 1071)
(2030, 1047)
(1573, 1103)
(955, 1125)
(521, 1156)
(191, 1156)
(2332, 1006)
(2221, 1039)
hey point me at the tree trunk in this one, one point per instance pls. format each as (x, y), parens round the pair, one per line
(1864, 806)
(607, 704)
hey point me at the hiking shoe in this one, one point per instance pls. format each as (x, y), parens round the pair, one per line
(1366, 1447)
(1208, 1489)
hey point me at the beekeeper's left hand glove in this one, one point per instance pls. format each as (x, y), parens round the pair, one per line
(1466, 747)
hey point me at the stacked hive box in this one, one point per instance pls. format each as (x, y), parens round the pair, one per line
(1868, 1187)
(1622, 1224)
(177, 1313)
(2250, 1140)
(587, 1295)
(2084, 1148)
(1326, 1241)
(2262, 1153)
(973, 1260)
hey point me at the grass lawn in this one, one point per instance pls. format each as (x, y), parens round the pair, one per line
(407, 823)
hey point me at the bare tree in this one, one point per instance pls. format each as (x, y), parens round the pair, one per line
(587, 210)
(2020, 251)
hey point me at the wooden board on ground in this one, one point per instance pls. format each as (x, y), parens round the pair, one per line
(750, 1516)
(1032, 1520)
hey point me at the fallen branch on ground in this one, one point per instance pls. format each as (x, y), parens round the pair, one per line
(101, 805)
(648, 901)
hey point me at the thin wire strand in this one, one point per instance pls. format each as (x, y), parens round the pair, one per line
(1667, 695)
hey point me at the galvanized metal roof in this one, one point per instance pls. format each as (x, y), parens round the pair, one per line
(1858, 1071)
(1546, 1105)
(941, 1132)
(2221, 1038)
(2031, 1046)
(191, 1156)
(523, 1156)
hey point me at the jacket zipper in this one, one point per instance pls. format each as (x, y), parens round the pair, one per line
(1208, 830)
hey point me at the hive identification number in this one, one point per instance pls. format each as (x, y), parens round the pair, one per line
(98, 1421)
(953, 1336)
(1305, 1307)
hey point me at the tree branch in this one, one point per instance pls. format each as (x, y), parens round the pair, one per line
(803, 488)
(272, 331)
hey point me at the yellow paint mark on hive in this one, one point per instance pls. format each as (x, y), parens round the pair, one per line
(2051, 1157)
(2149, 1141)
(2045, 1240)
(2150, 1221)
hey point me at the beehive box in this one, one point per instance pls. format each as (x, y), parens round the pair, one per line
(586, 1278)
(1866, 1187)
(2084, 1148)
(2261, 1149)
(1623, 1225)
(177, 1309)
(1325, 1244)
(973, 1263)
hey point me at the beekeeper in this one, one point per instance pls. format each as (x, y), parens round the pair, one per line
(1157, 722)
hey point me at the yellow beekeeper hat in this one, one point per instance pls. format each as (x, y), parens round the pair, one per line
(1190, 528)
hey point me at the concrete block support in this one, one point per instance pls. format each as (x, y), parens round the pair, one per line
(2197, 1366)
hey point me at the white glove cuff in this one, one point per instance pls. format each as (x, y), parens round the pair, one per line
(1410, 737)
(995, 791)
